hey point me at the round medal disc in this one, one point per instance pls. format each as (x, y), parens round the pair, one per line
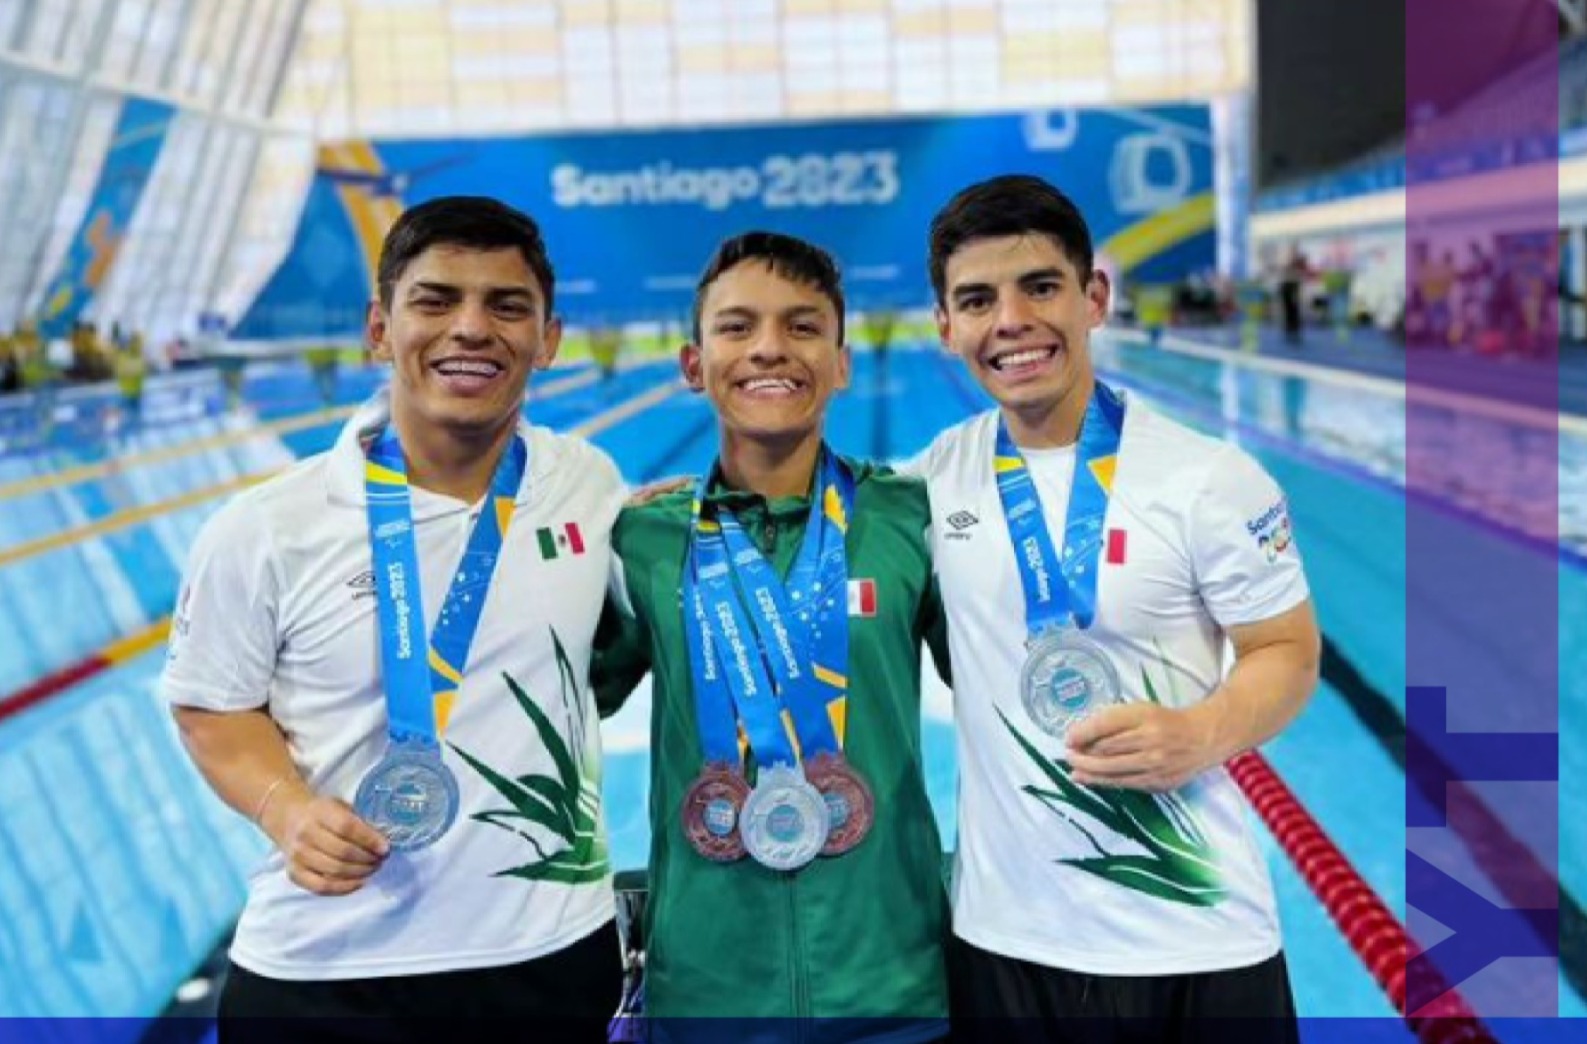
(1066, 677)
(785, 819)
(711, 811)
(850, 804)
(410, 796)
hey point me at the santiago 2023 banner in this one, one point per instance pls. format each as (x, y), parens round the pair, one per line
(631, 217)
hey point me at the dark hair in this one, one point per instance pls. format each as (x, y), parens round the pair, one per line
(1008, 205)
(476, 222)
(793, 259)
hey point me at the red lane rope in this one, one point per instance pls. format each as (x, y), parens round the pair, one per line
(49, 685)
(1371, 929)
(57, 682)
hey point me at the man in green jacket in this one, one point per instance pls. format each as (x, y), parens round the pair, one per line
(781, 604)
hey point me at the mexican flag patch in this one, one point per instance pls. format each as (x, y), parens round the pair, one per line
(556, 541)
(862, 597)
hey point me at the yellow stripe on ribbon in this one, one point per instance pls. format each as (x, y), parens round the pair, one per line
(444, 669)
(838, 712)
(831, 677)
(1102, 470)
(832, 507)
(444, 702)
(385, 476)
(504, 509)
(707, 526)
(447, 698)
(793, 734)
(1003, 465)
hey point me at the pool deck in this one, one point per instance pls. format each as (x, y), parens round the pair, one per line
(1535, 382)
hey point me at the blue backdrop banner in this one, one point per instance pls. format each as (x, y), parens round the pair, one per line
(138, 137)
(631, 217)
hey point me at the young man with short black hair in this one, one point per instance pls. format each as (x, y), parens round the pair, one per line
(1107, 885)
(781, 605)
(375, 658)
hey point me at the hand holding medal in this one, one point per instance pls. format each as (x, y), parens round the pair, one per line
(328, 849)
(1146, 746)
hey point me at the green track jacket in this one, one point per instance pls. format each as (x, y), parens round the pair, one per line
(858, 937)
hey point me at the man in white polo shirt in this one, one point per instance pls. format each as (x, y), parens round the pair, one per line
(379, 656)
(1094, 556)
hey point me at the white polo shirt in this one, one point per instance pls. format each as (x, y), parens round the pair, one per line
(1197, 540)
(278, 610)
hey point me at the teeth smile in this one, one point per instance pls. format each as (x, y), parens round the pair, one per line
(763, 383)
(1033, 355)
(479, 368)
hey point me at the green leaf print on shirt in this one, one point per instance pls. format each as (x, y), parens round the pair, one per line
(567, 804)
(1178, 865)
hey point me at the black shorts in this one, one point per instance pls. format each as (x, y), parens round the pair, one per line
(997, 998)
(569, 995)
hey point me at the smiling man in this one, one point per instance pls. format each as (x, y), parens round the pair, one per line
(373, 658)
(781, 604)
(1107, 886)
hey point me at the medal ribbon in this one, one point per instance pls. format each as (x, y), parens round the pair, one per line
(1060, 588)
(420, 691)
(785, 646)
(713, 701)
(803, 624)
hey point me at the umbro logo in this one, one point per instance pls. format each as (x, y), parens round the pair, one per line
(960, 521)
(363, 585)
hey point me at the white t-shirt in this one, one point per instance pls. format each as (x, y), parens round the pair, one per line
(1108, 882)
(278, 610)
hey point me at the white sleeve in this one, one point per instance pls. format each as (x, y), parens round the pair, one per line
(617, 586)
(617, 490)
(224, 632)
(616, 579)
(1242, 543)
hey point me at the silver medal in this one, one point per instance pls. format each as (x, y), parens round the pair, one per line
(785, 820)
(1066, 678)
(410, 796)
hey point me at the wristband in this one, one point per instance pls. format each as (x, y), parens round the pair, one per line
(269, 793)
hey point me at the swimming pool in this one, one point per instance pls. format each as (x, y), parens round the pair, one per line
(150, 871)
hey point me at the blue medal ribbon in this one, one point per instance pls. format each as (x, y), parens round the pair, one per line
(420, 676)
(713, 701)
(803, 623)
(781, 647)
(1060, 589)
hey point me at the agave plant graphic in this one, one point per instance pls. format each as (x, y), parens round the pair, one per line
(1179, 865)
(567, 804)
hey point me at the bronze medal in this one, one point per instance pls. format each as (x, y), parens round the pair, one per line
(711, 811)
(848, 798)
